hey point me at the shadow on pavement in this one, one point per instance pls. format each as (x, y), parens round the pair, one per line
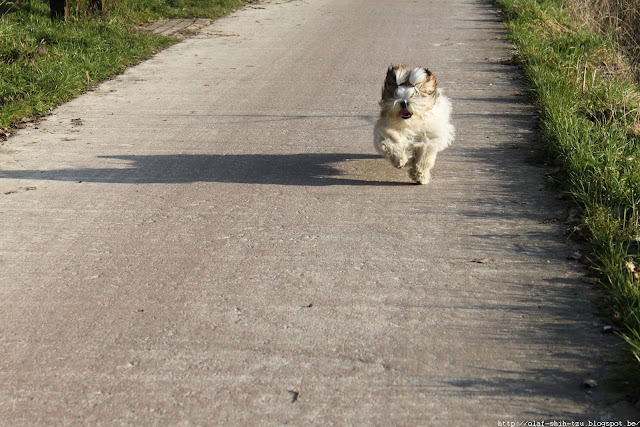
(314, 169)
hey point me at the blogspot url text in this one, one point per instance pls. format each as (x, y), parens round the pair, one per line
(563, 423)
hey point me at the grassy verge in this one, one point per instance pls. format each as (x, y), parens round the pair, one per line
(45, 63)
(589, 128)
(621, 18)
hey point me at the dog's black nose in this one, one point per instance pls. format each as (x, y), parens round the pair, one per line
(403, 105)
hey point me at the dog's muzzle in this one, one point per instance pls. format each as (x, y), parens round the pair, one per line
(404, 113)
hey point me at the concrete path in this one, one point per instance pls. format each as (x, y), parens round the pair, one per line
(209, 239)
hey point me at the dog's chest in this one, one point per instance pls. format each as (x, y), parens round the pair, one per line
(414, 135)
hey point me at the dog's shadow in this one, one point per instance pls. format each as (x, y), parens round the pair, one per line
(311, 169)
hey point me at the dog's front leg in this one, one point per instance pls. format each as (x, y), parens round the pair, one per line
(390, 146)
(424, 157)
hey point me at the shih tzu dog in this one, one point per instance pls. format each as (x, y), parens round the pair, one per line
(414, 121)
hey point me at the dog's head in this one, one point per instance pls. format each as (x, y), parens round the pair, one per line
(408, 91)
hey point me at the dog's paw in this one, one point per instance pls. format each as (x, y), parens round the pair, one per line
(397, 157)
(400, 161)
(421, 178)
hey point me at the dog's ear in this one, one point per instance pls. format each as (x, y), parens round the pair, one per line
(390, 84)
(425, 81)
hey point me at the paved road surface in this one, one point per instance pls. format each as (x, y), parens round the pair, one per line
(210, 239)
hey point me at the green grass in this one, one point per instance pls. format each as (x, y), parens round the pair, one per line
(178, 8)
(589, 128)
(81, 51)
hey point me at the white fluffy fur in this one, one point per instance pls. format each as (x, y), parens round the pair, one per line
(404, 92)
(418, 75)
(401, 76)
(417, 140)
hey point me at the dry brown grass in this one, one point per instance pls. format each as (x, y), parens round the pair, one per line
(621, 18)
